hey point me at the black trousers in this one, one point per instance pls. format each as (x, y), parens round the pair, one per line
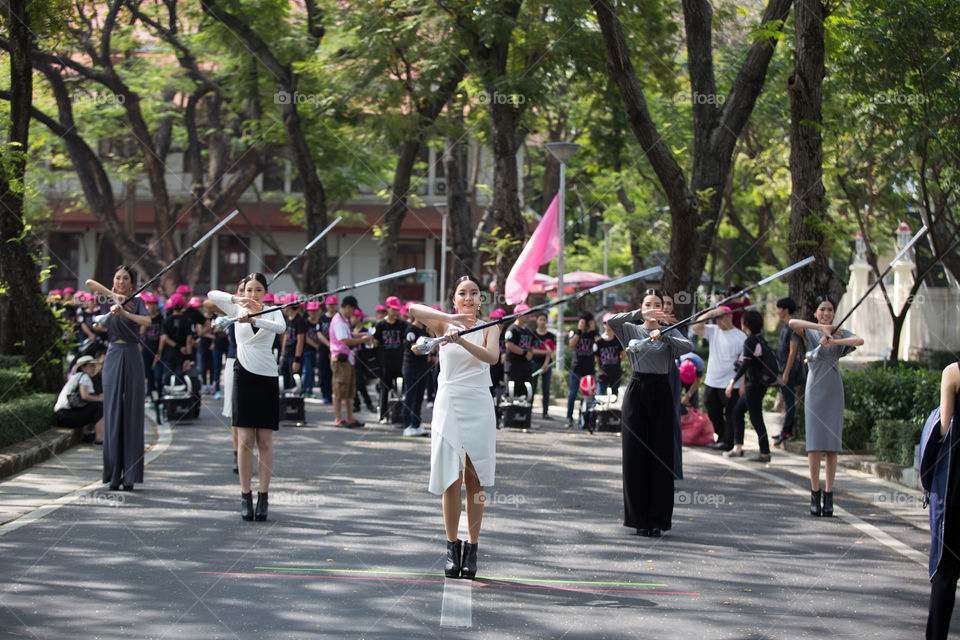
(943, 586)
(387, 384)
(752, 401)
(720, 411)
(647, 441)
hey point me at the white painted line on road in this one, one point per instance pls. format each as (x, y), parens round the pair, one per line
(163, 436)
(457, 609)
(839, 512)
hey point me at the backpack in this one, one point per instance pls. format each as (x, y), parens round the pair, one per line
(769, 367)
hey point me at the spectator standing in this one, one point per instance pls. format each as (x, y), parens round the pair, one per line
(726, 344)
(791, 367)
(581, 342)
(342, 362)
(389, 334)
(416, 371)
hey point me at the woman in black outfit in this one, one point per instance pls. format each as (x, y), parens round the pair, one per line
(752, 397)
(124, 384)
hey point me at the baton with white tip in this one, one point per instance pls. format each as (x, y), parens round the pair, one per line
(223, 322)
(768, 279)
(814, 353)
(93, 284)
(304, 250)
(425, 345)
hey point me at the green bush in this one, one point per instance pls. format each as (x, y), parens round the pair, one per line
(25, 417)
(14, 383)
(899, 393)
(857, 432)
(11, 362)
(939, 359)
(896, 440)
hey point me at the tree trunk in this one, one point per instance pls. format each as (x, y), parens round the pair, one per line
(35, 326)
(808, 198)
(393, 219)
(458, 204)
(504, 119)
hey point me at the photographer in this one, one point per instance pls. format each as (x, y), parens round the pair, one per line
(78, 406)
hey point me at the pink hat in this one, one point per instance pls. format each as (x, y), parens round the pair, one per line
(331, 300)
(606, 317)
(313, 305)
(405, 309)
(183, 289)
(380, 307)
(724, 308)
(269, 297)
(497, 313)
(688, 372)
(393, 302)
(520, 308)
(148, 297)
(69, 290)
(194, 302)
(56, 292)
(176, 300)
(358, 313)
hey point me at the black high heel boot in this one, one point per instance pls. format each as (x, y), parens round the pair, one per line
(827, 504)
(452, 567)
(815, 508)
(261, 511)
(246, 505)
(468, 568)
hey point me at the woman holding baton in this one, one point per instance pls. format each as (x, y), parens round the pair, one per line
(648, 417)
(256, 393)
(463, 432)
(123, 383)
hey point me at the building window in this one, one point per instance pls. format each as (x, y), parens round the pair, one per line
(233, 259)
(410, 253)
(64, 250)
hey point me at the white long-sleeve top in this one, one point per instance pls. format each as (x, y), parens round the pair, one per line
(254, 350)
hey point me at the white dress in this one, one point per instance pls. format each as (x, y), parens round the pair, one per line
(463, 418)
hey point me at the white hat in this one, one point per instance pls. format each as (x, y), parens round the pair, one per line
(82, 360)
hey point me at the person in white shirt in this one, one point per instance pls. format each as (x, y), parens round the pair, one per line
(726, 345)
(256, 392)
(78, 407)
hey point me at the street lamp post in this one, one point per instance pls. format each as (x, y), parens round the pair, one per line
(444, 212)
(562, 151)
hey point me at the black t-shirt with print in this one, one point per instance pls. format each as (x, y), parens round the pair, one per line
(608, 353)
(517, 367)
(584, 360)
(390, 338)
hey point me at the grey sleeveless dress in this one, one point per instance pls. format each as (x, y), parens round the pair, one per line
(823, 398)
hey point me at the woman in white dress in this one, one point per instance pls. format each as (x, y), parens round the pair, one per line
(464, 427)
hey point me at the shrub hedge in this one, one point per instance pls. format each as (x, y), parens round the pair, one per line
(14, 383)
(896, 440)
(25, 417)
(11, 362)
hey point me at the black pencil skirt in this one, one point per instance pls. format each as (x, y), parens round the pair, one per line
(647, 440)
(256, 399)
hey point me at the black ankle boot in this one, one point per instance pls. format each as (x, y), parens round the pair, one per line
(452, 567)
(261, 511)
(468, 568)
(827, 504)
(246, 505)
(815, 508)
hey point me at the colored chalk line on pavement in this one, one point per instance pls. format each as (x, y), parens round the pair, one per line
(438, 578)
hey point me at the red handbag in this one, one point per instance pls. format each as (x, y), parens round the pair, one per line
(696, 428)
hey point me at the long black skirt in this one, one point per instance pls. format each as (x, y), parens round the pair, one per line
(124, 390)
(648, 452)
(256, 399)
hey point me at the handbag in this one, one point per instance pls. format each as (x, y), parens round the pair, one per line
(74, 398)
(696, 428)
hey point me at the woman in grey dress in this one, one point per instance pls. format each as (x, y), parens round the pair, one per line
(823, 399)
(123, 385)
(648, 417)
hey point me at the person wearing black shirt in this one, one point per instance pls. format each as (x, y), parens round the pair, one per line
(791, 367)
(389, 335)
(584, 363)
(750, 368)
(609, 354)
(518, 342)
(416, 370)
(546, 343)
(150, 341)
(292, 359)
(176, 343)
(310, 344)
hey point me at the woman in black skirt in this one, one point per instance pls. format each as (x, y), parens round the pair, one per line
(124, 386)
(648, 417)
(256, 393)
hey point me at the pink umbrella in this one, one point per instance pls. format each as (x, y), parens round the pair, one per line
(579, 280)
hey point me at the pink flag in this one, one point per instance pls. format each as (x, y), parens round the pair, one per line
(540, 249)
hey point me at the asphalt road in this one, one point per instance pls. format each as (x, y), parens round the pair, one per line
(354, 548)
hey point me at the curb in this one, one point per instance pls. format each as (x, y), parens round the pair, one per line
(903, 475)
(23, 455)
